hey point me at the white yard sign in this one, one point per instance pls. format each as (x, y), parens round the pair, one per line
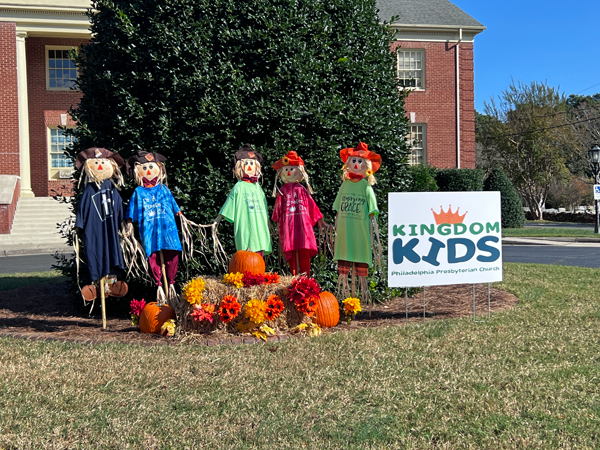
(438, 238)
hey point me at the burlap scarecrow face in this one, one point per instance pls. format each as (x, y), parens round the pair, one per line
(148, 170)
(100, 169)
(358, 165)
(291, 174)
(250, 167)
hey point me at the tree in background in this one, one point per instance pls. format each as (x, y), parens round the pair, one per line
(511, 206)
(584, 112)
(194, 80)
(528, 135)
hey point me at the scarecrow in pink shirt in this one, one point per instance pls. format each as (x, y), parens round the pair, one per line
(296, 213)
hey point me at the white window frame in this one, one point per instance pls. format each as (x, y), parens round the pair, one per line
(401, 71)
(47, 57)
(54, 172)
(420, 144)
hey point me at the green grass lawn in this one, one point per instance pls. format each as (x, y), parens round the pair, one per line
(529, 378)
(548, 232)
(10, 281)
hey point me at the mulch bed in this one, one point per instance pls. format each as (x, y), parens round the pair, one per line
(46, 312)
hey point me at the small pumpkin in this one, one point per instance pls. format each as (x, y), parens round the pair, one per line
(247, 261)
(153, 316)
(328, 310)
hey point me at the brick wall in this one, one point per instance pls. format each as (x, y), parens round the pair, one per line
(7, 212)
(45, 108)
(9, 108)
(436, 105)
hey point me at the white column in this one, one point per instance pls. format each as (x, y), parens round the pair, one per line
(24, 156)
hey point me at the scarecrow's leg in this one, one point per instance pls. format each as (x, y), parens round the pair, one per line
(103, 303)
(343, 270)
(164, 274)
(304, 259)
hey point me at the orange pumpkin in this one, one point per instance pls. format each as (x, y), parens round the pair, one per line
(247, 261)
(153, 316)
(328, 310)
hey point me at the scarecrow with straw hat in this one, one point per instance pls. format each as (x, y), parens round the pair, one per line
(98, 217)
(296, 213)
(246, 205)
(154, 209)
(357, 233)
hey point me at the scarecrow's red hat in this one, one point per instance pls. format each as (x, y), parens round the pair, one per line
(97, 152)
(362, 151)
(291, 159)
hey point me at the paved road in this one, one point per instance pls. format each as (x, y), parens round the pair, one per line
(26, 263)
(550, 254)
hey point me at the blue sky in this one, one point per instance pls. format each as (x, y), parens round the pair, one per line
(535, 40)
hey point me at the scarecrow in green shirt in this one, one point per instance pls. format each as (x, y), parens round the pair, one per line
(246, 205)
(357, 233)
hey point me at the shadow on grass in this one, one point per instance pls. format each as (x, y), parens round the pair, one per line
(16, 282)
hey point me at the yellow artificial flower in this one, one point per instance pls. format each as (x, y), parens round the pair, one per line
(313, 329)
(369, 173)
(351, 306)
(285, 161)
(193, 291)
(256, 311)
(234, 279)
(168, 327)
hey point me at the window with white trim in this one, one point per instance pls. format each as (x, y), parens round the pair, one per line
(61, 72)
(417, 143)
(61, 166)
(411, 68)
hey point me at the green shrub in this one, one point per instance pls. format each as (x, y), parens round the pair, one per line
(421, 178)
(512, 208)
(459, 179)
(194, 80)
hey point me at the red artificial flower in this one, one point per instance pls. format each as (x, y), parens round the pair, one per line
(199, 314)
(137, 306)
(308, 306)
(271, 278)
(229, 308)
(253, 279)
(303, 287)
(274, 307)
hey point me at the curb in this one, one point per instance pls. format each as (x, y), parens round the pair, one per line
(548, 240)
(32, 251)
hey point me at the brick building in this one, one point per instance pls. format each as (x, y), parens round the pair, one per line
(434, 44)
(434, 41)
(36, 74)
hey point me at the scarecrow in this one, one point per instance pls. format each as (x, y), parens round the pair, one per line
(246, 205)
(97, 223)
(296, 213)
(357, 233)
(154, 209)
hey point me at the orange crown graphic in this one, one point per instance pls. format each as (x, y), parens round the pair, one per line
(448, 216)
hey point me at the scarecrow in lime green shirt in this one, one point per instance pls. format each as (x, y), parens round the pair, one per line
(357, 233)
(246, 205)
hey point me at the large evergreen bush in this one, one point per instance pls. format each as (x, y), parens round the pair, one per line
(459, 179)
(421, 178)
(195, 79)
(512, 208)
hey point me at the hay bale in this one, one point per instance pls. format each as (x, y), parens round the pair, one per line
(214, 292)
